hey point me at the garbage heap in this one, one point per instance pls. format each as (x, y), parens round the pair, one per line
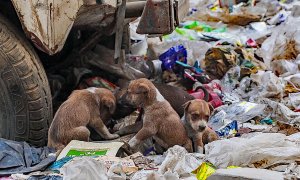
(246, 55)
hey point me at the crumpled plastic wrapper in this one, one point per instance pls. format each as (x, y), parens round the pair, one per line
(180, 161)
(178, 164)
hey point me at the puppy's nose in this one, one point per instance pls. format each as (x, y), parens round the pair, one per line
(201, 128)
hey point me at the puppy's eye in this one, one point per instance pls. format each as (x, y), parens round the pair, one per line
(206, 116)
(195, 116)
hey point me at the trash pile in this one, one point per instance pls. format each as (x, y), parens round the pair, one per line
(242, 57)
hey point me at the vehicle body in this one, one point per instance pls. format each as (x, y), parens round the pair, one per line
(25, 100)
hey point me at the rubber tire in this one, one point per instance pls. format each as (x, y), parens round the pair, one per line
(25, 97)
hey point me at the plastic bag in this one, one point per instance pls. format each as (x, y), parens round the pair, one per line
(247, 88)
(280, 112)
(260, 151)
(284, 67)
(196, 25)
(84, 168)
(295, 100)
(169, 58)
(229, 130)
(195, 49)
(269, 84)
(231, 79)
(284, 43)
(280, 17)
(241, 112)
(294, 81)
(179, 160)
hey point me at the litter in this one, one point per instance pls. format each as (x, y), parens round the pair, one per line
(282, 44)
(84, 168)
(204, 171)
(260, 151)
(19, 157)
(246, 173)
(241, 112)
(81, 148)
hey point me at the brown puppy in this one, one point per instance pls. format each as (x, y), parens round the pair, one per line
(83, 108)
(195, 119)
(159, 119)
(125, 109)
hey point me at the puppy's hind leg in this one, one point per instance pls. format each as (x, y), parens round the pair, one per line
(102, 130)
(79, 133)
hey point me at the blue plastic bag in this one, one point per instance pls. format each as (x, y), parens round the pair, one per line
(169, 58)
(229, 130)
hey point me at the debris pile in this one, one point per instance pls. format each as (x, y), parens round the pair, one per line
(243, 59)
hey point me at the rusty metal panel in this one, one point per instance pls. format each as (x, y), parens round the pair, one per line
(47, 22)
(156, 18)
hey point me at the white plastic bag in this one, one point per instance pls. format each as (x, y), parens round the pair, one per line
(280, 112)
(84, 168)
(284, 43)
(260, 151)
(269, 84)
(180, 161)
(284, 67)
(295, 100)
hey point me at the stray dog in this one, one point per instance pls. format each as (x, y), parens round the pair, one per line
(159, 119)
(197, 113)
(124, 108)
(84, 108)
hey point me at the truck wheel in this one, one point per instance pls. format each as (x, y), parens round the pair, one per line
(25, 97)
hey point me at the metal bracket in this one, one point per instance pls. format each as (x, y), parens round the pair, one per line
(120, 16)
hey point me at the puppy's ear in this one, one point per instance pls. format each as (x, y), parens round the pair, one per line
(211, 108)
(109, 103)
(143, 88)
(186, 105)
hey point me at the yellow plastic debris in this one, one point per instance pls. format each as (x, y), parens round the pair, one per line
(204, 171)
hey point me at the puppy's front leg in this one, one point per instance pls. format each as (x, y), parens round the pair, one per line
(101, 129)
(199, 143)
(143, 134)
(134, 128)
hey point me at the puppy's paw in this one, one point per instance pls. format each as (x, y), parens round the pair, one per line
(133, 142)
(120, 132)
(200, 149)
(113, 136)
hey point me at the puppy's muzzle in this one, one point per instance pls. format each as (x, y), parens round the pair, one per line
(201, 128)
(202, 125)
